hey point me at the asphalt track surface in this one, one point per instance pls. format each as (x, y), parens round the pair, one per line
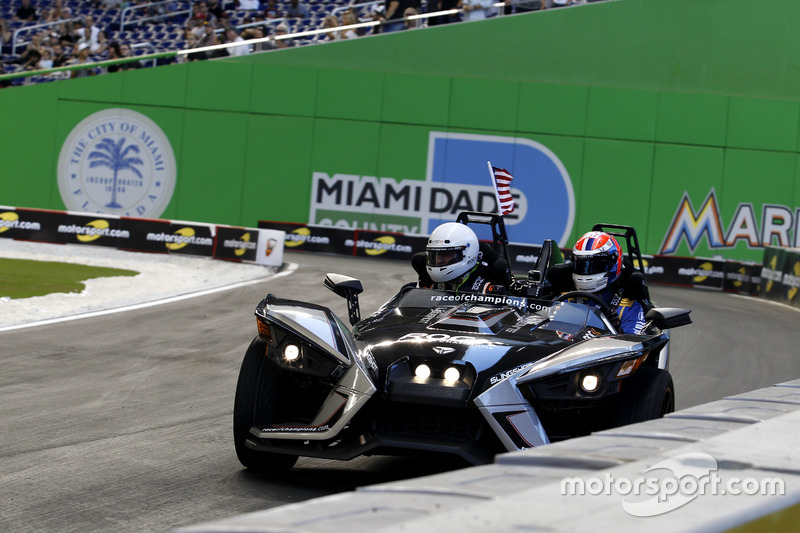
(123, 422)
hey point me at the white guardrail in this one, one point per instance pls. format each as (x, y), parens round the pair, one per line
(709, 468)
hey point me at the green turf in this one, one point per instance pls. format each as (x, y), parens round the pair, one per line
(23, 278)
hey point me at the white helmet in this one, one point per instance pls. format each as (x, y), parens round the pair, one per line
(452, 251)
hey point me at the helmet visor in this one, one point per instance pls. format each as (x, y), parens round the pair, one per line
(442, 257)
(596, 264)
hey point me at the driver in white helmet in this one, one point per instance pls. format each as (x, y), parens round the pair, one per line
(597, 268)
(453, 261)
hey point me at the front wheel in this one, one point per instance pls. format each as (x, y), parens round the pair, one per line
(646, 395)
(256, 404)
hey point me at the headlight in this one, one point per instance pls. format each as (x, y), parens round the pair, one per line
(452, 374)
(291, 352)
(590, 382)
(423, 372)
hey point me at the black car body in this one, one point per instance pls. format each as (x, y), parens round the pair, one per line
(437, 371)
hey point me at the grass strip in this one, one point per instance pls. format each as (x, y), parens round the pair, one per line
(24, 278)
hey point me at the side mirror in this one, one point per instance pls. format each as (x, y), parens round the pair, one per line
(668, 317)
(349, 289)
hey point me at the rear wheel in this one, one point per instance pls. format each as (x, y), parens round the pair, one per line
(256, 405)
(647, 395)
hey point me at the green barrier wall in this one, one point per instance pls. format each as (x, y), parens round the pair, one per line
(676, 116)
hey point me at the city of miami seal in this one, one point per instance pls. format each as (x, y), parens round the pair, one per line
(118, 162)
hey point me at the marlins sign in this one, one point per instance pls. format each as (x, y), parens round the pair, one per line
(119, 162)
(779, 226)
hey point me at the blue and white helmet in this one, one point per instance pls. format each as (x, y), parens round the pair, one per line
(452, 251)
(596, 261)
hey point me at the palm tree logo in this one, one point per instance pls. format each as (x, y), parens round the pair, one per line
(111, 154)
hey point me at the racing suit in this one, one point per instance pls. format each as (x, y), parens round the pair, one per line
(476, 280)
(630, 312)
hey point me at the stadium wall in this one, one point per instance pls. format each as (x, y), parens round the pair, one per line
(677, 117)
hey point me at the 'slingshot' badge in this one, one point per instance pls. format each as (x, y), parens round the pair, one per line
(117, 162)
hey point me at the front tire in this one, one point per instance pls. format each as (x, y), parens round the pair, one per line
(648, 395)
(256, 404)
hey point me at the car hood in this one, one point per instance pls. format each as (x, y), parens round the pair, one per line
(489, 340)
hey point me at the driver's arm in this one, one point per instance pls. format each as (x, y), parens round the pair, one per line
(631, 316)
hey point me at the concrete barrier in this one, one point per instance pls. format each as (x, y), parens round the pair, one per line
(679, 473)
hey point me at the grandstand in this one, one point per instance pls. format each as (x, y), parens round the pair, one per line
(156, 30)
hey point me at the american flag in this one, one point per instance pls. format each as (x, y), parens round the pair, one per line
(502, 185)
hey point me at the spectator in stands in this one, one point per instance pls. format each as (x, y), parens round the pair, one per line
(113, 53)
(221, 52)
(32, 59)
(234, 37)
(256, 16)
(209, 38)
(200, 14)
(125, 51)
(374, 14)
(51, 39)
(443, 5)
(416, 4)
(258, 32)
(215, 8)
(192, 42)
(99, 47)
(297, 10)
(5, 37)
(59, 58)
(55, 12)
(475, 9)
(282, 29)
(270, 11)
(349, 18)
(66, 30)
(47, 59)
(393, 14)
(195, 26)
(86, 31)
(194, 14)
(26, 12)
(34, 49)
(414, 23)
(331, 22)
(81, 58)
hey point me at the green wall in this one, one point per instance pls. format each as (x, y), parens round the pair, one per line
(645, 102)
